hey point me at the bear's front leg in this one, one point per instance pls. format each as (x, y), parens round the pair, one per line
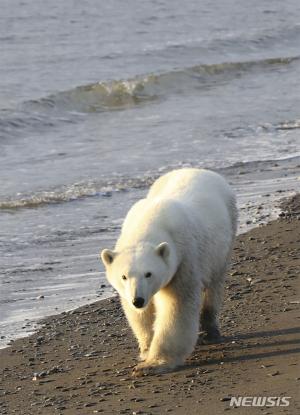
(175, 332)
(141, 323)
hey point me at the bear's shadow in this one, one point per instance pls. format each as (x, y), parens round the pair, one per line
(202, 355)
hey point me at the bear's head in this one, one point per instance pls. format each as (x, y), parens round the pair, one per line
(137, 273)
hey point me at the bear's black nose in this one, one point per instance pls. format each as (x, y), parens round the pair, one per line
(138, 302)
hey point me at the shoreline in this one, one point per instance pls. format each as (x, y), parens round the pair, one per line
(49, 278)
(81, 361)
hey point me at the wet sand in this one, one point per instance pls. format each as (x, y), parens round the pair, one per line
(81, 361)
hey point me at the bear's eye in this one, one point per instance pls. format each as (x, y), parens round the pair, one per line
(148, 274)
(124, 277)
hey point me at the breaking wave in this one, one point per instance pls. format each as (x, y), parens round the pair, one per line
(75, 192)
(105, 188)
(120, 94)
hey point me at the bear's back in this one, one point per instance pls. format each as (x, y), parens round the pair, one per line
(202, 193)
(180, 201)
(190, 185)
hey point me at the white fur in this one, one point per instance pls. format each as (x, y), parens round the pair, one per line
(193, 212)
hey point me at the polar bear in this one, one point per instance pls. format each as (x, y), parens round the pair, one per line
(174, 244)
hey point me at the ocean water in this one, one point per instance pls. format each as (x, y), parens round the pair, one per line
(97, 99)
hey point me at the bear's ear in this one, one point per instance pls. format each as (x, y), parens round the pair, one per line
(107, 256)
(163, 250)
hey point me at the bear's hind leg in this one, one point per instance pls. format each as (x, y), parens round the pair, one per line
(212, 301)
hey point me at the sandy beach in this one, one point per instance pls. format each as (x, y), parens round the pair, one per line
(80, 362)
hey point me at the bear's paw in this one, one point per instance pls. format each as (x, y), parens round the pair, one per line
(151, 368)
